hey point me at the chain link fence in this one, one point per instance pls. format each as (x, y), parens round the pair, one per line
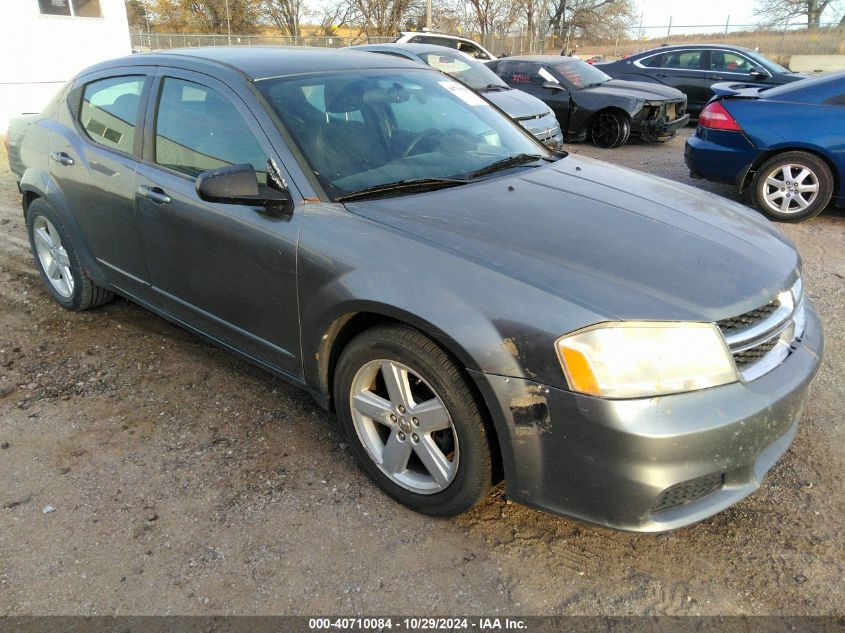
(777, 44)
(143, 41)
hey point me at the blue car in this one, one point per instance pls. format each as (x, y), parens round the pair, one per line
(785, 145)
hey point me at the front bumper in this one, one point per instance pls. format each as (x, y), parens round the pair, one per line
(648, 465)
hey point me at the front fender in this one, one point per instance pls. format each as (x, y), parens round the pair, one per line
(460, 327)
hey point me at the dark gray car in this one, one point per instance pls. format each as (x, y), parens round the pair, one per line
(619, 348)
(531, 113)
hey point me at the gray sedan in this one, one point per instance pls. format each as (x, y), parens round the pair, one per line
(534, 115)
(473, 306)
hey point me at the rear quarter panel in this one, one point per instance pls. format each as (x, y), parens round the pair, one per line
(782, 126)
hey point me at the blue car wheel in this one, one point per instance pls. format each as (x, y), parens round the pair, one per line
(792, 186)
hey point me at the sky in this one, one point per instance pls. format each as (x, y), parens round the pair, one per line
(684, 12)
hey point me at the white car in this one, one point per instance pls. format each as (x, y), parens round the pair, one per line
(464, 45)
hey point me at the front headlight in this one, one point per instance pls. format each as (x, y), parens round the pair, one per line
(642, 359)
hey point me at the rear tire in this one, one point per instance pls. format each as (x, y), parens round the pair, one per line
(407, 412)
(792, 186)
(610, 129)
(58, 262)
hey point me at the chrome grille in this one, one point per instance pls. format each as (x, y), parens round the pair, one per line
(749, 318)
(761, 339)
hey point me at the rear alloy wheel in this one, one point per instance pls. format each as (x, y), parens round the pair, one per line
(610, 129)
(412, 421)
(57, 260)
(793, 186)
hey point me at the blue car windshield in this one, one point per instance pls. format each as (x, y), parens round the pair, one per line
(363, 129)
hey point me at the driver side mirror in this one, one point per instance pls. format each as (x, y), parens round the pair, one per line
(553, 85)
(759, 73)
(237, 184)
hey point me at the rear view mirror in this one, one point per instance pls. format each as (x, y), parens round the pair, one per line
(237, 185)
(758, 72)
(553, 85)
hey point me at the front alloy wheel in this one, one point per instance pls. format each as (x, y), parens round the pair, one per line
(412, 420)
(404, 426)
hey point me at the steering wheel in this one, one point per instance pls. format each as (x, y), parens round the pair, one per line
(419, 138)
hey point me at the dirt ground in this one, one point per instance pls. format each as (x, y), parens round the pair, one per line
(184, 481)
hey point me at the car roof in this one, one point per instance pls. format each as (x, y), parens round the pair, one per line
(451, 37)
(409, 47)
(262, 62)
(539, 58)
(830, 82)
(675, 47)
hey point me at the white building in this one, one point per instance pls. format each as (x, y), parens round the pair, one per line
(43, 43)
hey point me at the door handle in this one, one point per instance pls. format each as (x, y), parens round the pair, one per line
(661, 74)
(713, 77)
(62, 158)
(156, 194)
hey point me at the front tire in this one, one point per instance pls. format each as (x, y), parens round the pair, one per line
(412, 421)
(792, 186)
(58, 262)
(610, 129)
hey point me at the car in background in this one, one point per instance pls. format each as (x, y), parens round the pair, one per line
(589, 105)
(784, 145)
(531, 113)
(624, 349)
(694, 68)
(473, 49)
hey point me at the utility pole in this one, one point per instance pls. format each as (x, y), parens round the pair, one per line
(228, 24)
(428, 14)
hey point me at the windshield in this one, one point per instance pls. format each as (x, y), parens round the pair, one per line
(474, 74)
(580, 74)
(363, 129)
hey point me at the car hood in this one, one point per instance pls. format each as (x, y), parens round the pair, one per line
(637, 89)
(516, 103)
(622, 243)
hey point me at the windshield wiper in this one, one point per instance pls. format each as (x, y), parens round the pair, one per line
(408, 186)
(490, 87)
(510, 161)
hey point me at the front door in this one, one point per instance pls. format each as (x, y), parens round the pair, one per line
(226, 270)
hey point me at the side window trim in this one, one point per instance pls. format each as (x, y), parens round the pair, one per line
(703, 61)
(76, 94)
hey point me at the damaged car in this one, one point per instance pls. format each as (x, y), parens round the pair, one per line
(472, 305)
(589, 105)
(531, 113)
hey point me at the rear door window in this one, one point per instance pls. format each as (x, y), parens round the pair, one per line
(198, 129)
(109, 111)
(682, 60)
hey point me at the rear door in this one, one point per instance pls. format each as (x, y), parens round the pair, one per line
(226, 270)
(684, 70)
(94, 154)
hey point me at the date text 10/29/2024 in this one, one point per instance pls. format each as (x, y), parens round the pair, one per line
(375, 624)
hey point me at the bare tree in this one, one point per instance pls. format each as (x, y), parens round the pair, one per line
(332, 17)
(492, 16)
(570, 19)
(204, 16)
(382, 17)
(285, 15)
(781, 11)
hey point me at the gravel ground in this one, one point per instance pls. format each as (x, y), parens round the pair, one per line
(143, 471)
